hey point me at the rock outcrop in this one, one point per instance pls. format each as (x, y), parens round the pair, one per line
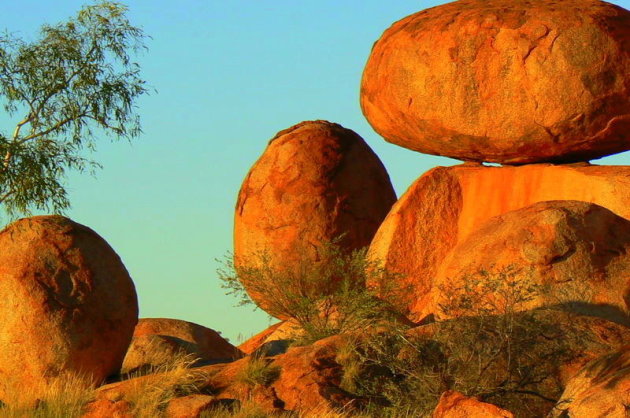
(453, 404)
(507, 81)
(307, 381)
(316, 182)
(568, 254)
(207, 343)
(68, 304)
(601, 389)
(447, 204)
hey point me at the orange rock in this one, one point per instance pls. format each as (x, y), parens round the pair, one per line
(453, 404)
(564, 253)
(111, 409)
(205, 342)
(149, 353)
(308, 382)
(68, 304)
(191, 406)
(601, 389)
(315, 182)
(280, 331)
(444, 206)
(509, 81)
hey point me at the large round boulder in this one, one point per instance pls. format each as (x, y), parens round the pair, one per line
(507, 81)
(447, 204)
(567, 254)
(67, 304)
(316, 183)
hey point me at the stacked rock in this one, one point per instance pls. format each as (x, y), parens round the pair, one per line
(523, 83)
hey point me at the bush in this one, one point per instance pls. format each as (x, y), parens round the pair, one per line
(492, 351)
(344, 292)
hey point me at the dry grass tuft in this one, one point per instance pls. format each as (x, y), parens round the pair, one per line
(64, 397)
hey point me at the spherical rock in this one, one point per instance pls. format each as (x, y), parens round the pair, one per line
(316, 182)
(507, 81)
(447, 204)
(68, 304)
(565, 254)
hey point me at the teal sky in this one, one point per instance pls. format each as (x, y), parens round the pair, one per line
(229, 74)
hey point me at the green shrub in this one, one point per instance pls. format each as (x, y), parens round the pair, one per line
(493, 350)
(344, 292)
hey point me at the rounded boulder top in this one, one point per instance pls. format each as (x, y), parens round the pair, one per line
(505, 81)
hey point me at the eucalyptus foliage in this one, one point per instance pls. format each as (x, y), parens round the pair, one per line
(75, 81)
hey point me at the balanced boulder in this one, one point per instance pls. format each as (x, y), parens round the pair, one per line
(567, 254)
(316, 183)
(444, 206)
(507, 81)
(68, 304)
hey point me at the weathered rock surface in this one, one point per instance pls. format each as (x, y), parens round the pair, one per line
(315, 182)
(68, 304)
(204, 342)
(108, 408)
(308, 381)
(191, 406)
(149, 353)
(444, 206)
(456, 405)
(504, 81)
(601, 389)
(570, 254)
(285, 330)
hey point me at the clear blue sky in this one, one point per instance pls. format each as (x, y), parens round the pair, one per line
(229, 75)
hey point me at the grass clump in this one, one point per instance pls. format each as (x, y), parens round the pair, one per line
(258, 371)
(64, 397)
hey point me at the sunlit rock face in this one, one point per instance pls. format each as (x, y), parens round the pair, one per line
(315, 182)
(454, 404)
(68, 304)
(507, 81)
(447, 204)
(563, 254)
(601, 389)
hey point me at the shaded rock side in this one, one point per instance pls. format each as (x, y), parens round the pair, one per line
(285, 330)
(315, 182)
(504, 81)
(207, 343)
(444, 206)
(68, 304)
(453, 404)
(601, 389)
(568, 254)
